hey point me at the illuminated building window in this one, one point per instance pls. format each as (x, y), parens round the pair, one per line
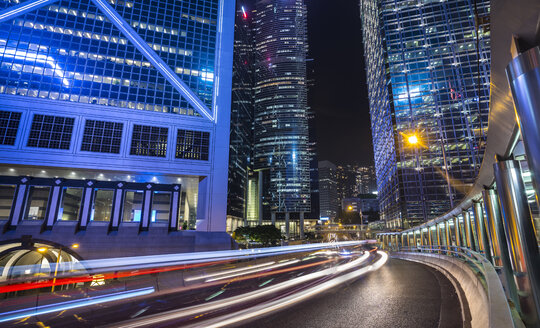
(9, 124)
(6, 200)
(36, 203)
(49, 131)
(149, 141)
(102, 137)
(192, 145)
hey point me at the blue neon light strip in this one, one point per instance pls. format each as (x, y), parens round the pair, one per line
(153, 58)
(23, 313)
(23, 8)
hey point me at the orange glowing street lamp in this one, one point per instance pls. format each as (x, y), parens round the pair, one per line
(413, 140)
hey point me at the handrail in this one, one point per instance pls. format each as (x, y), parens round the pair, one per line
(491, 283)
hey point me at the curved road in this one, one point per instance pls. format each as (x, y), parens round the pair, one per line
(400, 294)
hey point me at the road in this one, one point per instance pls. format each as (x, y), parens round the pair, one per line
(400, 294)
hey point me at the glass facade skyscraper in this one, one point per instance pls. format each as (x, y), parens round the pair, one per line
(281, 118)
(427, 67)
(116, 111)
(241, 141)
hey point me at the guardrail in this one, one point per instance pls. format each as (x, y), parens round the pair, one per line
(484, 278)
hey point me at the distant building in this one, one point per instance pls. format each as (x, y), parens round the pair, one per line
(328, 198)
(427, 66)
(355, 179)
(365, 204)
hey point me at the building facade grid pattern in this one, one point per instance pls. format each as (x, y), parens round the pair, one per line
(9, 124)
(49, 131)
(102, 136)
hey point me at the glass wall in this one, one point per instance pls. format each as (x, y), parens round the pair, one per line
(161, 206)
(36, 203)
(103, 200)
(71, 204)
(6, 200)
(133, 200)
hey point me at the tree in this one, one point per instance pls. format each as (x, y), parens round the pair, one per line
(265, 234)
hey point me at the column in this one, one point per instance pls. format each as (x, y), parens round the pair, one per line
(498, 240)
(482, 230)
(447, 233)
(117, 206)
(175, 205)
(429, 237)
(146, 208)
(273, 218)
(457, 231)
(202, 204)
(468, 230)
(520, 237)
(260, 198)
(53, 205)
(17, 214)
(301, 225)
(86, 204)
(287, 217)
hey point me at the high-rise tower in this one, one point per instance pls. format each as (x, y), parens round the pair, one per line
(281, 118)
(427, 66)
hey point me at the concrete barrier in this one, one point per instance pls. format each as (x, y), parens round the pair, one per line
(482, 290)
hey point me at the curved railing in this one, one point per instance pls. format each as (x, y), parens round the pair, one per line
(487, 280)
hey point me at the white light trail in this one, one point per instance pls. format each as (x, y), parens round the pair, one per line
(244, 298)
(23, 313)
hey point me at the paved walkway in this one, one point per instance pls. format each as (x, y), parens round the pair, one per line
(400, 294)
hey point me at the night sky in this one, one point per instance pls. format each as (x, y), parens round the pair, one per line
(339, 94)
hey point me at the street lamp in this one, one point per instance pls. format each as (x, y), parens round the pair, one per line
(58, 262)
(413, 140)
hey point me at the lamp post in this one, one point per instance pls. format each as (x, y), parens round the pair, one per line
(58, 262)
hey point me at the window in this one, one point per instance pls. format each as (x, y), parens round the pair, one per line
(36, 203)
(149, 141)
(133, 201)
(51, 132)
(192, 144)
(161, 206)
(102, 137)
(9, 124)
(71, 204)
(103, 200)
(6, 200)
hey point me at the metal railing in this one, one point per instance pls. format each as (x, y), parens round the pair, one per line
(486, 277)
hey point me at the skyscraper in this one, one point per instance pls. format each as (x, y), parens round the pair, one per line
(241, 140)
(427, 66)
(328, 197)
(115, 117)
(281, 119)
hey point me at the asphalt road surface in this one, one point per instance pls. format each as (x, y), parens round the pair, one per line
(400, 294)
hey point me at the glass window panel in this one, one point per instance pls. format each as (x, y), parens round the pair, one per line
(6, 200)
(133, 201)
(103, 200)
(161, 206)
(71, 204)
(36, 203)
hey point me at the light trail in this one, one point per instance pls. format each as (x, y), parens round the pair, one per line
(43, 309)
(264, 308)
(251, 296)
(254, 270)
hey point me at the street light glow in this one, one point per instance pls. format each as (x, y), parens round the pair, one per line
(42, 249)
(413, 140)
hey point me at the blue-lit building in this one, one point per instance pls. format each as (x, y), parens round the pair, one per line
(115, 122)
(281, 133)
(241, 137)
(427, 66)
